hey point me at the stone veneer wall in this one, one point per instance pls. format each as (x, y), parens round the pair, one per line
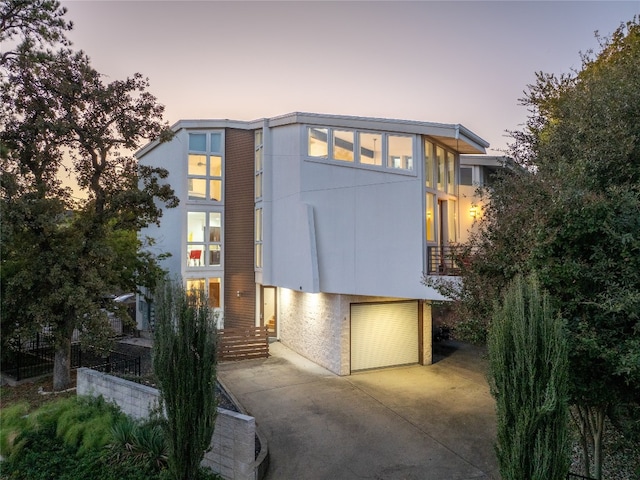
(232, 453)
(318, 326)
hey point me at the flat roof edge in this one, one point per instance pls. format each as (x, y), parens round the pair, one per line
(454, 131)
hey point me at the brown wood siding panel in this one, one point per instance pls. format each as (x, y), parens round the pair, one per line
(243, 343)
(239, 311)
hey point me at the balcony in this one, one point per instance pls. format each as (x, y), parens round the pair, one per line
(445, 260)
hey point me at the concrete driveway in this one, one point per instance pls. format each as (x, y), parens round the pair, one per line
(435, 422)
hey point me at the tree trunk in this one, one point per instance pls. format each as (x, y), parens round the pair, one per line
(580, 416)
(598, 415)
(590, 422)
(62, 365)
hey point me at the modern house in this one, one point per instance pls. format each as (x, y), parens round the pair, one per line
(319, 227)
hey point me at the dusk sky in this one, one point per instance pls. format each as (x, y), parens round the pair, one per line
(449, 62)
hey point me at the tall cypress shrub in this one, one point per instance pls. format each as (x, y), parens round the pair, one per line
(528, 376)
(184, 362)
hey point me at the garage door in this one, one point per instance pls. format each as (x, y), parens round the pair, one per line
(384, 334)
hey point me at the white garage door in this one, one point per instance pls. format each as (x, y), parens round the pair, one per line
(384, 334)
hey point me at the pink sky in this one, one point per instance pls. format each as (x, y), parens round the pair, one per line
(450, 62)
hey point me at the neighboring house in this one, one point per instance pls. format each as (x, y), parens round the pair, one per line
(319, 227)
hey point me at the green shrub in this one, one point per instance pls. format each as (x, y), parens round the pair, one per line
(138, 443)
(528, 376)
(184, 362)
(12, 422)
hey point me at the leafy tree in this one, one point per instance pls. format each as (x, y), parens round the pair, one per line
(184, 362)
(571, 215)
(528, 374)
(37, 23)
(60, 254)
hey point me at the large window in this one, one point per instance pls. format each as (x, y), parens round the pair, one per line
(204, 171)
(377, 149)
(440, 186)
(204, 239)
(211, 287)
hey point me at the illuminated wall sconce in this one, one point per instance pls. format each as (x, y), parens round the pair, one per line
(473, 212)
(238, 293)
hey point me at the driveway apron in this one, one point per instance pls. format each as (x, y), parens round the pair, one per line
(415, 422)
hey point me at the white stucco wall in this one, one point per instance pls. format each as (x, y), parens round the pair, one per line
(368, 224)
(171, 156)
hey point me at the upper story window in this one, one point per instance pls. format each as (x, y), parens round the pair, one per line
(439, 169)
(429, 159)
(258, 143)
(204, 170)
(204, 239)
(466, 176)
(343, 143)
(400, 152)
(378, 149)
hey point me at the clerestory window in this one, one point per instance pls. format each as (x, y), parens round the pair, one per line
(359, 147)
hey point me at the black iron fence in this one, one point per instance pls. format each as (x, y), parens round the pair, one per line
(35, 357)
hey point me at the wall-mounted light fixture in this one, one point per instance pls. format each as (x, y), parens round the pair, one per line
(473, 212)
(238, 293)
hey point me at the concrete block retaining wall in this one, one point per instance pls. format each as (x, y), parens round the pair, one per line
(232, 453)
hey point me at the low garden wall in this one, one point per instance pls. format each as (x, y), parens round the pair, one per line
(232, 454)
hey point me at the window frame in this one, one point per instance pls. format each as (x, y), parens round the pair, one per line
(384, 165)
(206, 243)
(208, 178)
(439, 187)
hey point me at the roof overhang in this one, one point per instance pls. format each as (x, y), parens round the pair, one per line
(454, 136)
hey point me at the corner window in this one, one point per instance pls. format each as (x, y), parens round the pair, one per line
(204, 166)
(204, 239)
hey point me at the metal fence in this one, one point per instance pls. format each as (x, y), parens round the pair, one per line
(35, 357)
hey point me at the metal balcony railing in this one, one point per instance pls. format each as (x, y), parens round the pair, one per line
(444, 260)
